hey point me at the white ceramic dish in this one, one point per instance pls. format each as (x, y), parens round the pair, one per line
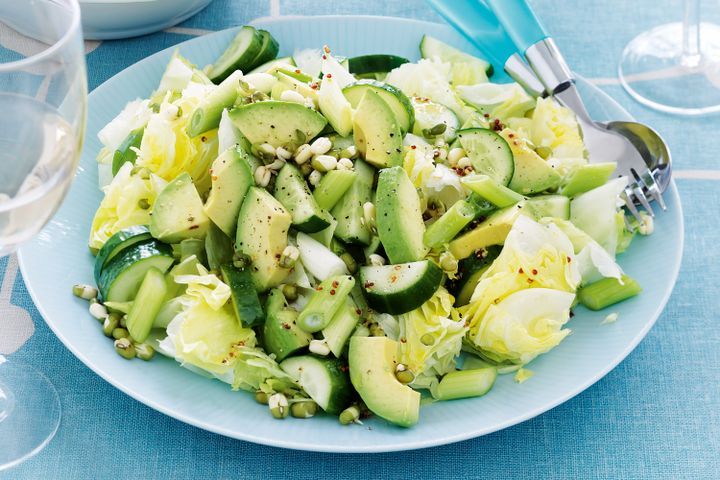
(114, 19)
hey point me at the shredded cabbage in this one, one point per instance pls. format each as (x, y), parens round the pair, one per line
(432, 319)
(120, 207)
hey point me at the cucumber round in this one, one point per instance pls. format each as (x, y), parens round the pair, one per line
(268, 50)
(239, 55)
(292, 191)
(117, 243)
(400, 288)
(470, 270)
(122, 276)
(489, 153)
(429, 115)
(324, 379)
(396, 100)
(370, 64)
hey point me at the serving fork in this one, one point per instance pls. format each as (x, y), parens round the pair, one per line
(509, 27)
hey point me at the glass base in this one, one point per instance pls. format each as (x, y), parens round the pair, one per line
(29, 412)
(655, 71)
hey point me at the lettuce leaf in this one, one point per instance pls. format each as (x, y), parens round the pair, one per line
(432, 319)
(597, 213)
(253, 368)
(499, 100)
(206, 334)
(135, 115)
(120, 207)
(534, 257)
(431, 79)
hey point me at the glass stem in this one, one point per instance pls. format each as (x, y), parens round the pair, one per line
(691, 33)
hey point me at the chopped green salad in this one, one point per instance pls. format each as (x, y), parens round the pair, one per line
(341, 234)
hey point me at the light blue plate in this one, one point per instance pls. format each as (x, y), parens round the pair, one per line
(59, 257)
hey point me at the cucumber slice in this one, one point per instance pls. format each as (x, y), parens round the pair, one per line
(324, 379)
(429, 115)
(239, 55)
(431, 47)
(372, 64)
(244, 296)
(341, 327)
(395, 99)
(292, 191)
(147, 304)
(268, 67)
(117, 243)
(281, 335)
(470, 270)
(277, 123)
(122, 276)
(348, 211)
(218, 248)
(556, 206)
(400, 288)
(126, 152)
(268, 50)
(332, 187)
(489, 153)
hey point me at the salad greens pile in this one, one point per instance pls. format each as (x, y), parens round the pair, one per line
(332, 234)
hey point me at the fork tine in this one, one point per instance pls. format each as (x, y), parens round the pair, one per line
(640, 195)
(653, 189)
(627, 196)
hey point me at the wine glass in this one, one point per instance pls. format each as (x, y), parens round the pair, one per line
(675, 67)
(43, 94)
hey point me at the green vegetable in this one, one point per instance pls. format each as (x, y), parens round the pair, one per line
(325, 302)
(466, 383)
(608, 291)
(445, 228)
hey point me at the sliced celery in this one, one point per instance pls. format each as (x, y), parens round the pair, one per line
(466, 383)
(608, 291)
(332, 187)
(492, 191)
(587, 177)
(449, 224)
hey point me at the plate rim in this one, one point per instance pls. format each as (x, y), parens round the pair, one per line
(404, 445)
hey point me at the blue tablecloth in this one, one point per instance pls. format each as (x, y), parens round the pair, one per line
(655, 416)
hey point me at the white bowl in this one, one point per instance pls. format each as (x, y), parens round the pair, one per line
(114, 19)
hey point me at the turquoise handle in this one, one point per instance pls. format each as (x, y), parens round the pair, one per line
(519, 22)
(478, 24)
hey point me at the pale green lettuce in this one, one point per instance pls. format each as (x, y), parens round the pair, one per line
(597, 213)
(433, 319)
(534, 257)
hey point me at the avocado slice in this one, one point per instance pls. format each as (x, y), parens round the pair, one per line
(372, 372)
(532, 173)
(399, 217)
(492, 231)
(377, 132)
(277, 123)
(231, 177)
(262, 234)
(178, 212)
(281, 335)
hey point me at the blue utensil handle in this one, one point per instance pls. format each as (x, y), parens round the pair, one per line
(478, 24)
(519, 22)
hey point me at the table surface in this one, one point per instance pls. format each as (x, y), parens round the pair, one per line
(657, 415)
